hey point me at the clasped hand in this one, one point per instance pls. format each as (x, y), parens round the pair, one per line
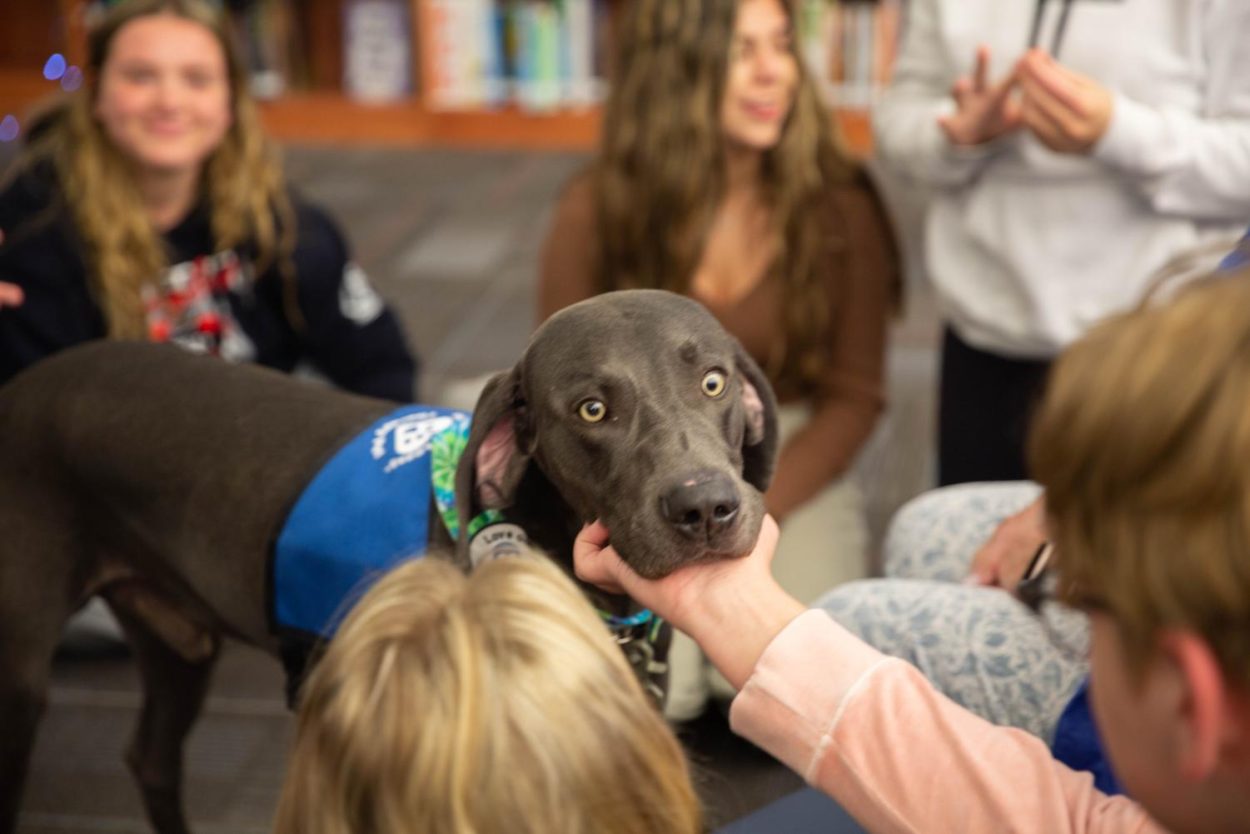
(1066, 111)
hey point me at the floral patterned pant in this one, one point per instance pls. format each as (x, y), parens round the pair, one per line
(979, 646)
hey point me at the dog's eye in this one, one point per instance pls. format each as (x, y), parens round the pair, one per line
(714, 383)
(592, 411)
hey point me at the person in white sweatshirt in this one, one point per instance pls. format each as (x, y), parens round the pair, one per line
(1063, 142)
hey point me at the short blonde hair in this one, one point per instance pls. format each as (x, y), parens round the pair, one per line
(490, 703)
(1143, 446)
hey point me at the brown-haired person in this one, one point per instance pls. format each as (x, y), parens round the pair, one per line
(718, 176)
(491, 703)
(150, 205)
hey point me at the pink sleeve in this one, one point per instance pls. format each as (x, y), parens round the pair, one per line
(874, 734)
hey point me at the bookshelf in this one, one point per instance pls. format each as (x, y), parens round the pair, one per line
(316, 109)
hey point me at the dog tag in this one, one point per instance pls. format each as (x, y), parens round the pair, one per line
(496, 541)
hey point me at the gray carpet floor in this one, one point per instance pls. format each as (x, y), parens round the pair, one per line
(452, 239)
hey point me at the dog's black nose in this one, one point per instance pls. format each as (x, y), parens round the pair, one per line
(702, 505)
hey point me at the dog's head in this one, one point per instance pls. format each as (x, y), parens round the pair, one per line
(640, 410)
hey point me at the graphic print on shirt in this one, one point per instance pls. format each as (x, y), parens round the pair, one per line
(190, 306)
(358, 300)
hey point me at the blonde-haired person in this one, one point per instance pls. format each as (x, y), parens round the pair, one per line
(149, 204)
(1141, 444)
(488, 703)
(719, 176)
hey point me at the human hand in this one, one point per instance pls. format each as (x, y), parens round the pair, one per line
(1067, 112)
(675, 597)
(1002, 560)
(984, 111)
(10, 295)
(732, 607)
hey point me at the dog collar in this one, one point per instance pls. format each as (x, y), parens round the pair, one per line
(636, 636)
(614, 622)
(640, 627)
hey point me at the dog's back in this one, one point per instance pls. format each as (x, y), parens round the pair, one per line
(82, 449)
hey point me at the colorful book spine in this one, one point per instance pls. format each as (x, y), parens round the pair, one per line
(442, 86)
(577, 59)
(849, 47)
(538, 86)
(377, 51)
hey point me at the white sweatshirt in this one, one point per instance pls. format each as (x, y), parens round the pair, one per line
(1027, 248)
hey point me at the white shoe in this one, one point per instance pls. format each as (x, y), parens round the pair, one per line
(687, 680)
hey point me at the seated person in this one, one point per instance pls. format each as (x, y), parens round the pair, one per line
(719, 178)
(1141, 445)
(150, 205)
(491, 703)
(941, 608)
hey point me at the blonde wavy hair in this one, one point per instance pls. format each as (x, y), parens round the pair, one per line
(660, 172)
(1143, 445)
(242, 179)
(484, 704)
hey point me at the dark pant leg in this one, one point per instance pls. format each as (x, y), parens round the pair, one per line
(985, 403)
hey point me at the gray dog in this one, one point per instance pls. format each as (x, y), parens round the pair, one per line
(160, 481)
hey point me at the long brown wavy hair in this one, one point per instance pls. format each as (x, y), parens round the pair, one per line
(661, 171)
(242, 179)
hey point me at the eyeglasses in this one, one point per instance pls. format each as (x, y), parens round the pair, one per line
(1032, 589)
(1066, 627)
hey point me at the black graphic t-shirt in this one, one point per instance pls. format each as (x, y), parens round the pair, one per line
(208, 301)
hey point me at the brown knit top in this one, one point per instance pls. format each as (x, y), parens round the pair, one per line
(863, 285)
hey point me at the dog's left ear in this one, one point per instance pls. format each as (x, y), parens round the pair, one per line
(759, 441)
(499, 449)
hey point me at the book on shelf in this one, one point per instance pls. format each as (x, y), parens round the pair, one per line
(377, 50)
(850, 46)
(459, 53)
(541, 55)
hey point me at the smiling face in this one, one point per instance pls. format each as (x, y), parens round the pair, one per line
(761, 78)
(163, 95)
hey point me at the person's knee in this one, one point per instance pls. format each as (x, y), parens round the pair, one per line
(949, 518)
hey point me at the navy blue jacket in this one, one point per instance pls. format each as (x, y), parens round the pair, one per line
(208, 300)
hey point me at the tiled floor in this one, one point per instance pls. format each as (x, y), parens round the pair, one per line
(452, 238)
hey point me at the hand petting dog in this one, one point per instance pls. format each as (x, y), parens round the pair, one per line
(733, 608)
(1066, 111)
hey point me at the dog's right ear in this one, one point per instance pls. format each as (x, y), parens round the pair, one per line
(499, 448)
(759, 442)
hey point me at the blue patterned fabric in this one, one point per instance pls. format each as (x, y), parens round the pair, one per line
(978, 646)
(367, 509)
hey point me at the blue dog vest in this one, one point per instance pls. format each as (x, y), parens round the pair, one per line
(366, 510)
